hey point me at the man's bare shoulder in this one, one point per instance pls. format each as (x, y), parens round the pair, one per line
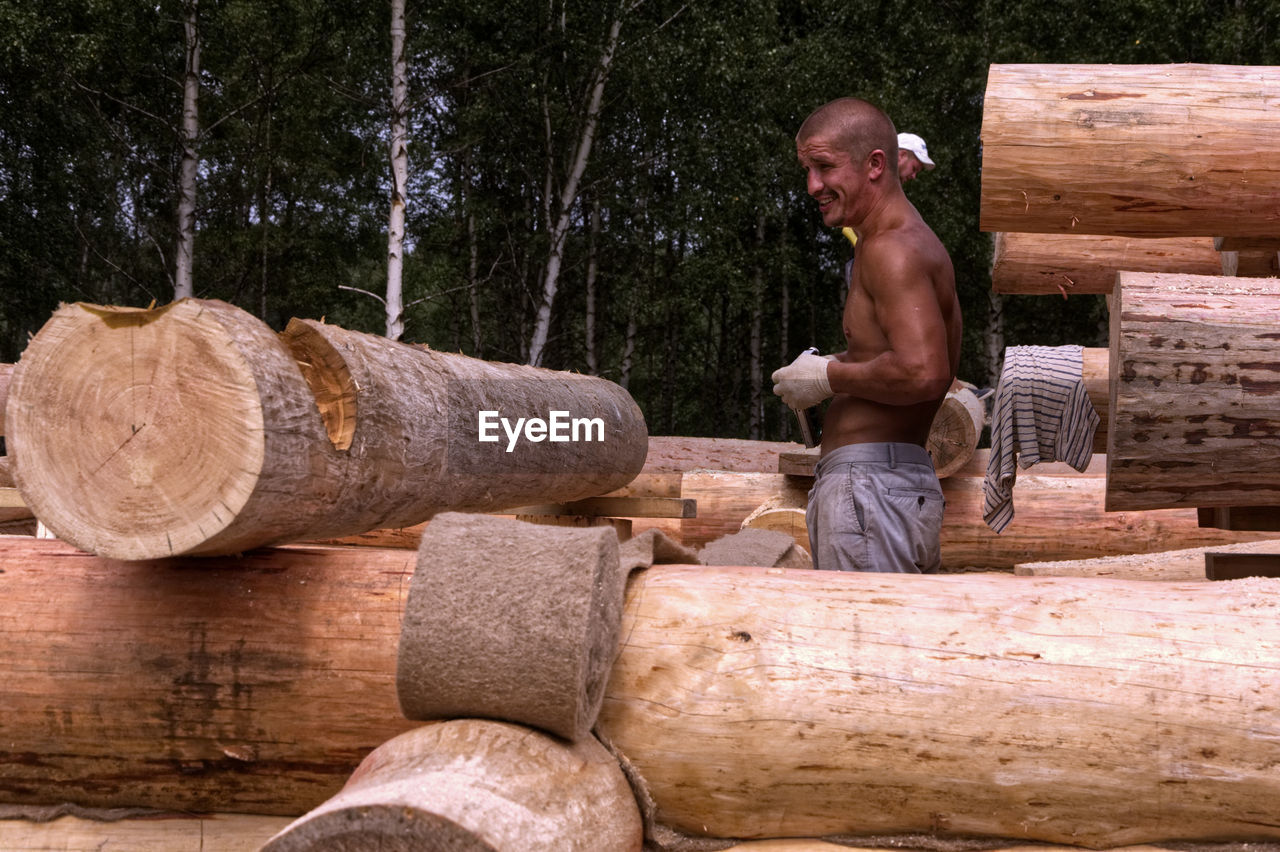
(902, 255)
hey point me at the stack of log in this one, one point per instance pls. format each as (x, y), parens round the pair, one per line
(555, 700)
(1178, 222)
(746, 703)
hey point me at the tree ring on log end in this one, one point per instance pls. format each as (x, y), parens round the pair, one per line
(136, 433)
(329, 378)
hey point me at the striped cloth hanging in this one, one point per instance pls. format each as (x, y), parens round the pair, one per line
(1042, 414)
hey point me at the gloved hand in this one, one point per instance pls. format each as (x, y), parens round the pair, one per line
(803, 383)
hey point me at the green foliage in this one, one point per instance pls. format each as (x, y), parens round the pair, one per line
(694, 154)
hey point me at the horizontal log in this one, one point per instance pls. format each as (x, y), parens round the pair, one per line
(1131, 150)
(1195, 396)
(669, 453)
(1079, 264)
(616, 507)
(257, 684)
(317, 432)
(251, 685)
(759, 703)
(1184, 565)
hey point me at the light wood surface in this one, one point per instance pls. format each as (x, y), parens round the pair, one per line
(1195, 392)
(1131, 150)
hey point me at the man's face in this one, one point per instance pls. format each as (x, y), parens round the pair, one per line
(908, 165)
(831, 177)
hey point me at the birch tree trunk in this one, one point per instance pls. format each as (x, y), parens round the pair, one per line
(183, 287)
(589, 321)
(399, 174)
(756, 416)
(568, 194)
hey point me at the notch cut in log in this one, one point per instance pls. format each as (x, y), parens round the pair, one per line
(1080, 264)
(1131, 150)
(195, 429)
(1195, 398)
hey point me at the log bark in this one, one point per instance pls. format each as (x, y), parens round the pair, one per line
(760, 702)
(1131, 150)
(112, 409)
(1078, 264)
(473, 786)
(1195, 395)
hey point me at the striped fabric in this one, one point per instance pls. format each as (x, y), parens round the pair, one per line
(1042, 414)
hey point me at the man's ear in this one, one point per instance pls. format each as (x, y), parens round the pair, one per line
(877, 162)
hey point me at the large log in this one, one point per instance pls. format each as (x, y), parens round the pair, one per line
(252, 685)
(1058, 514)
(761, 702)
(1132, 150)
(257, 684)
(1195, 392)
(471, 785)
(318, 432)
(1077, 264)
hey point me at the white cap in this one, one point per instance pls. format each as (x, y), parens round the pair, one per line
(914, 144)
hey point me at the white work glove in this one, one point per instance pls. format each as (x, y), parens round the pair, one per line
(803, 383)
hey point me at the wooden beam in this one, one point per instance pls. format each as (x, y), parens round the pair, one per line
(1183, 565)
(1195, 400)
(615, 507)
(678, 453)
(163, 832)
(1080, 264)
(1238, 566)
(1264, 518)
(1271, 243)
(1250, 264)
(1131, 150)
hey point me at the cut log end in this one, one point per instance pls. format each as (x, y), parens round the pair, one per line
(469, 785)
(329, 378)
(92, 422)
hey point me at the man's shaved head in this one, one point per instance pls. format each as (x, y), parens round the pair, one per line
(855, 127)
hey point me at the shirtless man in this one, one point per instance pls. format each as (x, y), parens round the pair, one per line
(876, 504)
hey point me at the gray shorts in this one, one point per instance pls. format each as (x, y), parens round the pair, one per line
(876, 507)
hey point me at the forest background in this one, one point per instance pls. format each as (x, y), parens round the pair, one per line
(599, 186)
